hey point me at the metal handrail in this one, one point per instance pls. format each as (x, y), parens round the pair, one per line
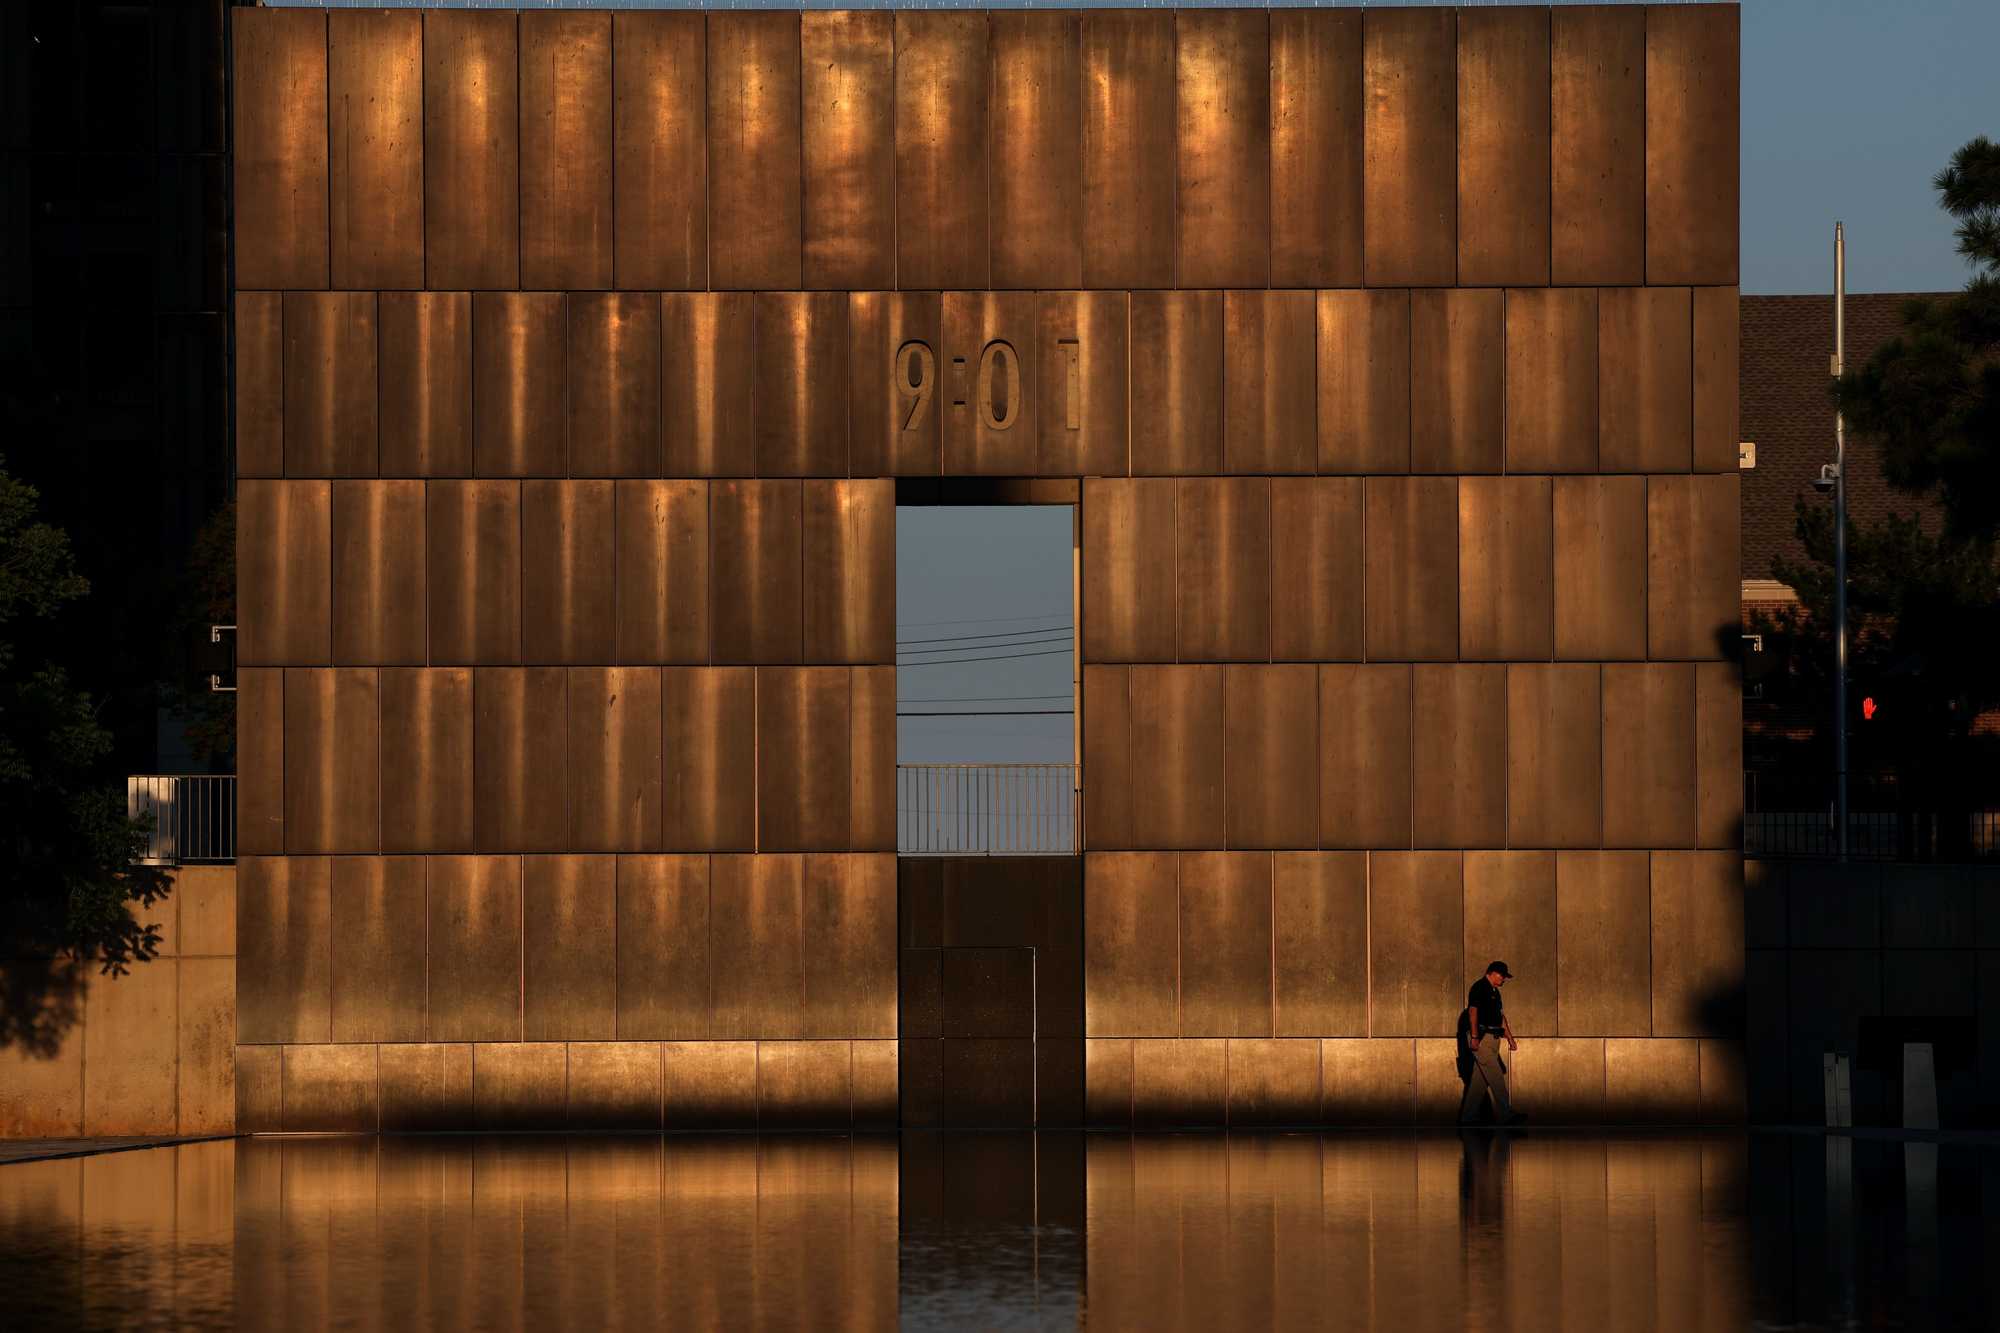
(193, 816)
(989, 809)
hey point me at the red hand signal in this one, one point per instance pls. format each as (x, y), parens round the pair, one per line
(1868, 709)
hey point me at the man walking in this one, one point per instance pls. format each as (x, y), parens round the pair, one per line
(1485, 1028)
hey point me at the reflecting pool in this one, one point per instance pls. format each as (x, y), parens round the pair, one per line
(1408, 1232)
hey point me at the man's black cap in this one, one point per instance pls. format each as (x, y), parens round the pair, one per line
(1501, 968)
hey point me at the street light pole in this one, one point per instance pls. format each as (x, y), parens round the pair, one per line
(1840, 543)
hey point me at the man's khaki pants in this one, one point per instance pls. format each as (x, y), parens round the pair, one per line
(1487, 1076)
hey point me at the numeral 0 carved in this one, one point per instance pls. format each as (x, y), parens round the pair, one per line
(916, 380)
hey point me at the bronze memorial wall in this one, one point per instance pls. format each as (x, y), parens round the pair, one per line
(1390, 354)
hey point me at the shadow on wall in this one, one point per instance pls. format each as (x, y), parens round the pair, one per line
(41, 1000)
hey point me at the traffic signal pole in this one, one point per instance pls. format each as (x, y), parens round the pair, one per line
(1840, 544)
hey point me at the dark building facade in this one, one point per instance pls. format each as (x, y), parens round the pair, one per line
(1390, 355)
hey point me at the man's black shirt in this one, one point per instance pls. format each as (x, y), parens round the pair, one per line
(1484, 997)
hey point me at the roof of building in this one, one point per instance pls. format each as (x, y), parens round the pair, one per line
(1786, 363)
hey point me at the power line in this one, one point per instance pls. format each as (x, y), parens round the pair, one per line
(980, 647)
(993, 712)
(1011, 634)
(1004, 657)
(980, 620)
(987, 699)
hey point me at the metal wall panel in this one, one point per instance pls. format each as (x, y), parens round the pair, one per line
(1131, 944)
(1179, 1082)
(1600, 568)
(1649, 793)
(1551, 380)
(521, 1087)
(850, 571)
(1411, 597)
(474, 934)
(1652, 1080)
(1598, 111)
(472, 229)
(1222, 566)
(848, 943)
(1416, 911)
(991, 408)
(1459, 780)
(709, 742)
(1410, 194)
(521, 788)
(1364, 756)
(283, 925)
(1603, 945)
(1510, 914)
(284, 544)
(1367, 1082)
(894, 427)
(1316, 148)
(427, 780)
(1128, 570)
(801, 384)
(1716, 353)
(375, 128)
(568, 555)
(710, 367)
(614, 376)
(1504, 146)
(1645, 379)
(1105, 699)
(376, 948)
(1176, 383)
(1506, 568)
(1223, 185)
(1270, 390)
(566, 154)
(332, 798)
(804, 1085)
(614, 759)
(1457, 364)
(755, 930)
(569, 931)
(260, 760)
(472, 539)
(872, 759)
(1554, 756)
(662, 576)
(260, 384)
(1693, 96)
(279, 153)
(1128, 148)
(710, 1084)
(1697, 944)
(1037, 165)
(424, 1087)
(757, 531)
(662, 947)
(1693, 564)
(804, 759)
(1565, 1074)
(753, 141)
(1718, 713)
(942, 80)
(424, 384)
(378, 572)
(1177, 756)
(614, 1086)
(1319, 945)
(1225, 944)
(520, 384)
(330, 384)
(848, 147)
(1086, 372)
(1316, 569)
(330, 1089)
(1364, 381)
(1271, 779)
(659, 138)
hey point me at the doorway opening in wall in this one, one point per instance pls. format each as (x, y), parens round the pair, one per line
(987, 746)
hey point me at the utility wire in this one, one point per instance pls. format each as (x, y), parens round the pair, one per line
(1011, 634)
(993, 712)
(980, 620)
(980, 647)
(987, 699)
(1004, 657)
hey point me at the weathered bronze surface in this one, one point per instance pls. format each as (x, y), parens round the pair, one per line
(566, 156)
(375, 137)
(472, 205)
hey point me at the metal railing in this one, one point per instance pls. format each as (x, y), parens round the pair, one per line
(193, 816)
(989, 809)
(1792, 815)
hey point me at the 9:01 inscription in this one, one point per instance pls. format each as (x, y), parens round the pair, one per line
(997, 389)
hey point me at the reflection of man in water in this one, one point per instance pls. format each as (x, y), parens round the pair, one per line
(1485, 1026)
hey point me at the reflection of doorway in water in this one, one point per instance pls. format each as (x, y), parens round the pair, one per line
(986, 670)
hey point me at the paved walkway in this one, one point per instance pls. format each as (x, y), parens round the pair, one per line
(38, 1150)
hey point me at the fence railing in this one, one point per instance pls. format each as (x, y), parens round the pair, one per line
(988, 809)
(193, 816)
(1785, 815)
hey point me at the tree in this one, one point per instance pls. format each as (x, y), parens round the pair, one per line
(1931, 397)
(72, 881)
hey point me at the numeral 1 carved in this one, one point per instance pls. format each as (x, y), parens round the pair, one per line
(1072, 360)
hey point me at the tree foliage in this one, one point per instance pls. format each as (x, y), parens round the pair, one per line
(67, 843)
